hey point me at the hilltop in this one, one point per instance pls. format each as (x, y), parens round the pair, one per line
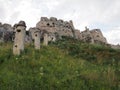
(56, 56)
(64, 64)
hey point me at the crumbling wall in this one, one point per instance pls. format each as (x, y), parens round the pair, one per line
(98, 36)
(52, 25)
(77, 34)
(86, 36)
(93, 36)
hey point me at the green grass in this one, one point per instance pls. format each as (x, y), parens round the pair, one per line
(63, 65)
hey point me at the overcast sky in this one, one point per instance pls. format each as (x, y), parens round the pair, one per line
(102, 14)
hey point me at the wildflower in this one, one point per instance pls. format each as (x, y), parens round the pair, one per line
(41, 73)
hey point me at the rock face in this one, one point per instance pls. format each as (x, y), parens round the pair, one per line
(6, 32)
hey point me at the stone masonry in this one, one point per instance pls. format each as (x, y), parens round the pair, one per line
(93, 36)
(45, 39)
(20, 31)
(52, 25)
(37, 39)
(57, 28)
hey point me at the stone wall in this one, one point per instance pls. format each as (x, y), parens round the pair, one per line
(77, 34)
(93, 36)
(52, 25)
(86, 36)
(98, 36)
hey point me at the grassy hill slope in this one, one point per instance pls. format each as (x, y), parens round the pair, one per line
(63, 65)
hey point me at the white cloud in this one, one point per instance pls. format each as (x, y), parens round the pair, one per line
(113, 36)
(102, 14)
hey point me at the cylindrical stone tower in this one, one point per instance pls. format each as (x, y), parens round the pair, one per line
(19, 41)
(45, 42)
(37, 40)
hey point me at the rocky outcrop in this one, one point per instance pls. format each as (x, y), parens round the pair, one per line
(6, 32)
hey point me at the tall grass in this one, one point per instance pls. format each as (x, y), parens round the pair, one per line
(56, 67)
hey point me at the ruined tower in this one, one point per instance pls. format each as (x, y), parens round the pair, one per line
(37, 39)
(19, 40)
(45, 42)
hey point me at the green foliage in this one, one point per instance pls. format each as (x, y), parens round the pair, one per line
(97, 54)
(62, 65)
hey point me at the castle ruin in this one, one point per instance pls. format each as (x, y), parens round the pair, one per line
(93, 36)
(64, 28)
(49, 30)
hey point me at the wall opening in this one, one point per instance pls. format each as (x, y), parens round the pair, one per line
(48, 24)
(36, 35)
(16, 46)
(18, 30)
